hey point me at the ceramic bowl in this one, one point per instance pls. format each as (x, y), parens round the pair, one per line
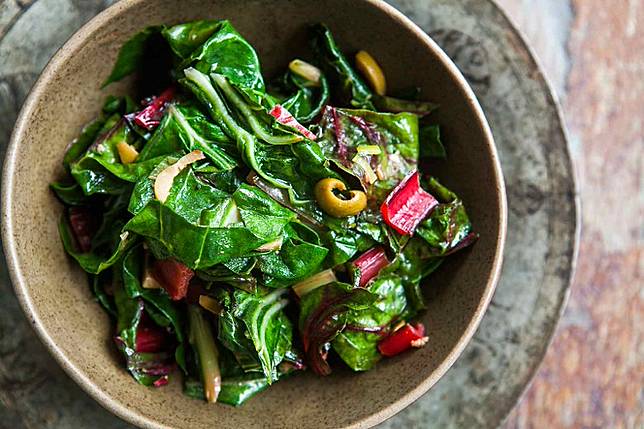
(53, 290)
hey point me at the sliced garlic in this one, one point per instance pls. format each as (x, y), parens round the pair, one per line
(269, 247)
(320, 279)
(164, 180)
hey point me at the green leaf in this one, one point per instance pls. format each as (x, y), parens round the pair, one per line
(100, 169)
(202, 88)
(359, 349)
(201, 225)
(88, 135)
(413, 265)
(69, 194)
(255, 118)
(198, 247)
(93, 262)
(296, 260)
(120, 105)
(132, 272)
(227, 53)
(113, 218)
(351, 88)
(131, 55)
(324, 313)
(185, 38)
(233, 335)
(98, 284)
(344, 130)
(445, 227)
(302, 100)
(129, 314)
(185, 128)
(274, 163)
(430, 142)
(235, 272)
(439, 191)
(262, 215)
(345, 238)
(143, 191)
(227, 181)
(237, 387)
(146, 368)
(255, 329)
(195, 200)
(312, 162)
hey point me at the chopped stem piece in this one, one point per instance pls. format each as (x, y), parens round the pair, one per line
(202, 339)
(314, 282)
(407, 205)
(369, 149)
(370, 175)
(403, 339)
(210, 304)
(370, 263)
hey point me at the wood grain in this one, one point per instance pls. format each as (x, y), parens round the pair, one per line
(593, 374)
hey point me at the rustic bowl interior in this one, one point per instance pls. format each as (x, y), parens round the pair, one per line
(54, 291)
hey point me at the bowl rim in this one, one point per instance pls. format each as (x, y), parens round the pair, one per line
(83, 36)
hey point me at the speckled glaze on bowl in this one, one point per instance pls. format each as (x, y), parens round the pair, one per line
(53, 290)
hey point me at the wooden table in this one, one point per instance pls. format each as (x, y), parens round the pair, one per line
(593, 373)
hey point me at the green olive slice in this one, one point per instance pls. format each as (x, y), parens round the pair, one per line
(332, 202)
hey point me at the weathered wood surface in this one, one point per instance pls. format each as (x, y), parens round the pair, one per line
(593, 373)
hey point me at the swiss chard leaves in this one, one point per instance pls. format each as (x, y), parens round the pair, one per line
(357, 343)
(324, 313)
(352, 89)
(98, 259)
(147, 368)
(84, 140)
(185, 38)
(132, 55)
(413, 264)
(262, 215)
(227, 53)
(202, 226)
(185, 128)
(396, 136)
(69, 194)
(100, 169)
(447, 228)
(255, 328)
(303, 101)
(431, 145)
(297, 259)
(237, 387)
(198, 247)
(253, 236)
(132, 271)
